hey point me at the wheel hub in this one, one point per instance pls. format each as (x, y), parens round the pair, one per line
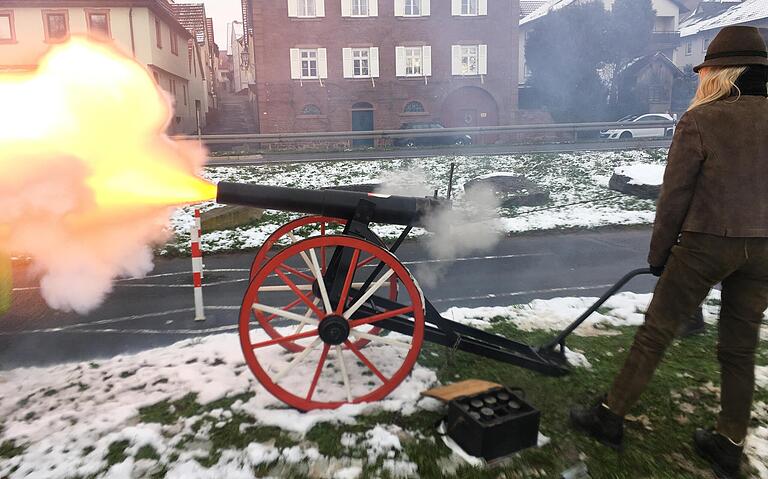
(334, 329)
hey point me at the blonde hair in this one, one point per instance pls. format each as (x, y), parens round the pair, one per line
(716, 83)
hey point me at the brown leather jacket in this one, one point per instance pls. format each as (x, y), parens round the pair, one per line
(716, 181)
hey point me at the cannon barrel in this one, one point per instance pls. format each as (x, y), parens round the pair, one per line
(390, 209)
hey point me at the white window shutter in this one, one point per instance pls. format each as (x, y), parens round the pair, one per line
(426, 60)
(322, 63)
(346, 8)
(399, 8)
(482, 7)
(320, 8)
(373, 8)
(295, 64)
(400, 61)
(455, 7)
(425, 8)
(456, 59)
(482, 59)
(373, 62)
(293, 8)
(346, 55)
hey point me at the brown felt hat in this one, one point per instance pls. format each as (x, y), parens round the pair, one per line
(735, 46)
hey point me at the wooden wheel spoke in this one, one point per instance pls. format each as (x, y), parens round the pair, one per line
(344, 374)
(282, 313)
(366, 361)
(380, 316)
(285, 308)
(298, 292)
(366, 261)
(298, 359)
(301, 325)
(319, 370)
(347, 282)
(283, 339)
(315, 267)
(371, 291)
(295, 271)
(277, 289)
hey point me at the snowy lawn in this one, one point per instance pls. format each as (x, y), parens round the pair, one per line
(577, 183)
(193, 410)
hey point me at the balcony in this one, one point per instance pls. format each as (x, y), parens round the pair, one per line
(661, 40)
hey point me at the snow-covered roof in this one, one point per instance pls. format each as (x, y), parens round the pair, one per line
(545, 9)
(740, 13)
(529, 6)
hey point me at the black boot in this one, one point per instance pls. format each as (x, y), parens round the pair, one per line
(723, 455)
(599, 422)
(693, 325)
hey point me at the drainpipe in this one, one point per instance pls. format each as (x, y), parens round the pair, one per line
(133, 39)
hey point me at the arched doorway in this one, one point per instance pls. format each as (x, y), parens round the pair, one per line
(470, 106)
(362, 120)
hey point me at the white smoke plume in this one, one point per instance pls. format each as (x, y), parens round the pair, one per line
(87, 174)
(472, 226)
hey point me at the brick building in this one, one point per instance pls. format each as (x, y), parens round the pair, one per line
(339, 65)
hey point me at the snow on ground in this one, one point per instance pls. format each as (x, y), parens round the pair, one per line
(69, 417)
(571, 179)
(642, 174)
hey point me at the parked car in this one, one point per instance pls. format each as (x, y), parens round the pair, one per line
(641, 131)
(428, 140)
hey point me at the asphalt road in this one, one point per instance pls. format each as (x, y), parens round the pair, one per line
(474, 150)
(158, 310)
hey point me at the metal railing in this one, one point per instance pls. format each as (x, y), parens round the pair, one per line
(429, 132)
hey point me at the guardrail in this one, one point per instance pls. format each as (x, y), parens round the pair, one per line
(412, 133)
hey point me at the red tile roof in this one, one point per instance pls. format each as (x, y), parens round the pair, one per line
(192, 17)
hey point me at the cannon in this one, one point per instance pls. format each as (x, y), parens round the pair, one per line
(345, 318)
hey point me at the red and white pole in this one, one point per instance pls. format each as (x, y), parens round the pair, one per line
(197, 267)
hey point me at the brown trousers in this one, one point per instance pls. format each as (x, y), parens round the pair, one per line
(697, 264)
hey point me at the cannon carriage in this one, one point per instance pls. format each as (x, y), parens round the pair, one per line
(345, 318)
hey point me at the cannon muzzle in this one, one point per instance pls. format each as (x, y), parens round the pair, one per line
(390, 209)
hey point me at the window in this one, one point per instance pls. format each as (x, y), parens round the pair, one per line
(174, 43)
(412, 8)
(360, 8)
(159, 33)
(98, 22)
(360, 62)
(310, 110)
(56, 24)
(7, 28)
(308, 63)
(469, 7)
(184, 89)
(189, 59)
(689, 48)
(157, 77)
(172, 86)
(413, 107)
(469, 60)
(413, 61)
(307, 8)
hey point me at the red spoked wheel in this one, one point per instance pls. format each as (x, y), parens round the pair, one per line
(290, 233)
(327, 369)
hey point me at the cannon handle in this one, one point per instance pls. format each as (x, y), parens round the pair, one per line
(560, 339)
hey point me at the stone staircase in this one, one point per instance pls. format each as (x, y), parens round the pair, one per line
(234, 116)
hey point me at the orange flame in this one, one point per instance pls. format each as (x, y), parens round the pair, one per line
(89, 102)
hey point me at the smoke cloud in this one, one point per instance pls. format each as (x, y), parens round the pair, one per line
(472, 226)
(87, 175)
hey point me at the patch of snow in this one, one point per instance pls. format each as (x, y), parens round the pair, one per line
(495, 174)
(381, 440)
(740, 13)
(761, 377)
(348, 473)
(642, 174)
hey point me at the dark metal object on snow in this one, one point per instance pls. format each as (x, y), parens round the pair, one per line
(501, 428)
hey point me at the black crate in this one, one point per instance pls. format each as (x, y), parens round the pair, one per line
(492, 424)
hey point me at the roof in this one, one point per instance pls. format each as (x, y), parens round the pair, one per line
(642, 62)
(209, 30)
(192, 17)
(162, 8)
(529, 6)
(550, 6)
(738, 14)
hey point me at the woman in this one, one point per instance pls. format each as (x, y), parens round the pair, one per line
(711, 227)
